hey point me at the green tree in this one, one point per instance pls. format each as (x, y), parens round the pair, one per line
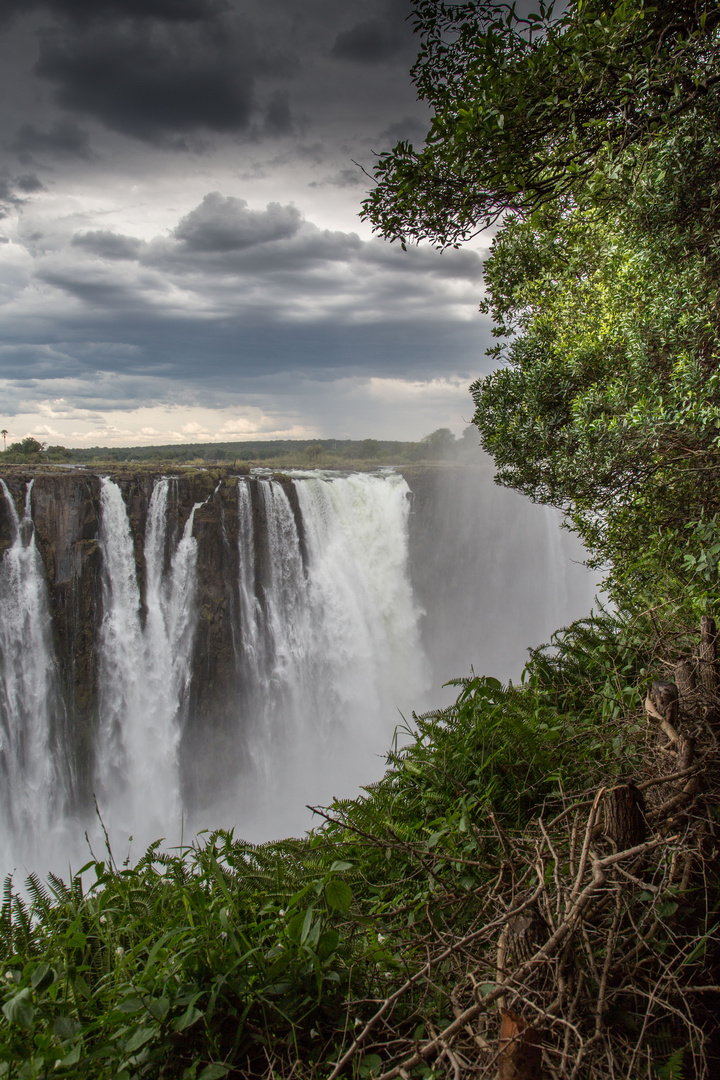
(528, 110)
(438, 444)
(597, 136)
(313, 452)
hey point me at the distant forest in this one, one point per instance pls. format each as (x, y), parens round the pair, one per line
(439, 445)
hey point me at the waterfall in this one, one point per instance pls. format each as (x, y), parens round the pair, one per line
(332, 641)
(250, 658)
(145, 663)
(32, 790)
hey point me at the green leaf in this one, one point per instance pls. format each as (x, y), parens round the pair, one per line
(328, 943)
(338, 895)
(138, 1038)
(73, 1057)
(188, 1018)
(18, 1009)
(41, 977)
(369, 1065)
(130, 1005)
(65, 1027)
(158, 1007)
(213, 1072)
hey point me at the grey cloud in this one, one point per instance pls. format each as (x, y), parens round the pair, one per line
(63, 139)
(215, 357)
(171, 10)
(222, 224)
(86, 10)
(108, 245)
(12, 186)
(461, 263)
(154, 81)
(407, 129)
(278, 117)
(370, 42)
(345, 178)
(29, 183)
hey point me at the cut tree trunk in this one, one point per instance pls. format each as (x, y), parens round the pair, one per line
(520, 1056)
(625, 821)
(708, 654)
(684, 677)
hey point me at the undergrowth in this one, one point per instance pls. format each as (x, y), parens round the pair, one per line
(231, 959)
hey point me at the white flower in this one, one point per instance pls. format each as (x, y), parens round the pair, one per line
(358, 1021)
(9, 976)
(381, 938)
(103, 920)
(119, 952)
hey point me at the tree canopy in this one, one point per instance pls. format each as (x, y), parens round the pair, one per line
(526, 110)
(593, 139)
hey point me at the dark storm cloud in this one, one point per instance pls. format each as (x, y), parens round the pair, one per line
(372, 41)
(407, 129)
(171, 10)
(29, 183)
(226, 224)
(13, 188)
(64, 138)
(85, 10)
(155, 80)
(108, 245)
(213, 357)
(278, 118)
(256, 267)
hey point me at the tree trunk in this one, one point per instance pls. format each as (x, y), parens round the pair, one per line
(684, 677)
(520, 1056)
(625, 821)
(708, 654)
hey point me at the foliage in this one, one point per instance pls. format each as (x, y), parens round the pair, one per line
(595, 135)
(608, 405)
(527, 110)
(226, 958)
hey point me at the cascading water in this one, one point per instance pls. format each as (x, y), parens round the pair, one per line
(252, 652)
(145, 663)
(32, 785)
(332, 643)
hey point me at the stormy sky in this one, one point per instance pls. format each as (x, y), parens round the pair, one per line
(181, 257)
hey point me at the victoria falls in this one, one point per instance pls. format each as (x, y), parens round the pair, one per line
(204, 649)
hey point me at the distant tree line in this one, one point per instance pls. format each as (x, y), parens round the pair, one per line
(438, 445)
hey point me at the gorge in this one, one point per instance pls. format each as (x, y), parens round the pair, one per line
(204, 648)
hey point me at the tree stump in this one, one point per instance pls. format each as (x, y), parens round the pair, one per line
(708, 654)
(686, 752)
(526, 932)
(684, 677)
(666, 699)
(625, 821)
(520, 1055)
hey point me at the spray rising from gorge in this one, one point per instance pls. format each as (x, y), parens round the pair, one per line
(207, 650)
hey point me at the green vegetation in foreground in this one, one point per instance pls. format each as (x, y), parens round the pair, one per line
(383, 944)
(226, 959)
